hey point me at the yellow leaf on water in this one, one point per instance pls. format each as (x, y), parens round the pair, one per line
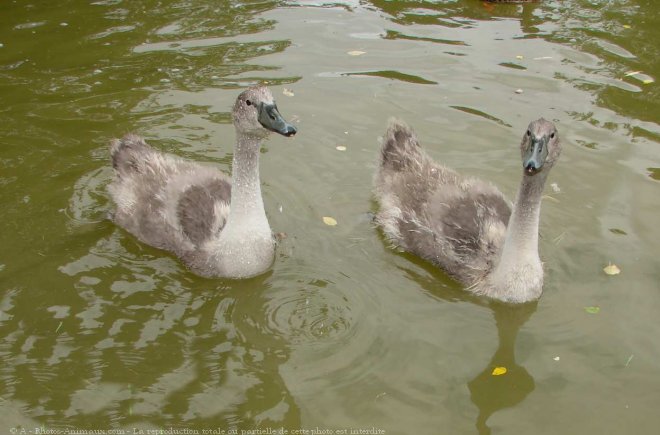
(356, 53)
(626, 26)
(288, 92)
(329, 221)
(638, 75)
(498, 371)
(519, 57)
(340, 148)
(612, 269)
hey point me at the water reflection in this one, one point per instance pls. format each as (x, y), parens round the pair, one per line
(492, 393)
(488, 392)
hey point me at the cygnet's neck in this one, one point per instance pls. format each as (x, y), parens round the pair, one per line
(518, 276)
(247, 206)
(245, 245)
(522, 237)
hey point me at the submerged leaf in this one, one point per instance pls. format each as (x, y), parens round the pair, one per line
(592, 310)
(612, 269)
(329, 221)
(618, 231)
(498, 371)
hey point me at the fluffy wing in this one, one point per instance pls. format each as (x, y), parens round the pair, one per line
(165, 201)
(203, 209)
(427, 209)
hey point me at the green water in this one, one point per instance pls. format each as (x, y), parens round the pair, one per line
(100, 331)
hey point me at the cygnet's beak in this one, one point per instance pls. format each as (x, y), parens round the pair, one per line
(270, 118)
(535, 157)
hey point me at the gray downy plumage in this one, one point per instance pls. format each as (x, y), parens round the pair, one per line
(216, 225)
(462, 224)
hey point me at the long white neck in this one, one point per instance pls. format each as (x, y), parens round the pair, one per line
(247, 205)
(522, 235)
(518, 276)
(245, 246)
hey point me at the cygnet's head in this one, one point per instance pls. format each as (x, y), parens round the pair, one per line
(255, 113)
(540, 147)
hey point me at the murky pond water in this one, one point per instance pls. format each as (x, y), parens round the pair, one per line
(100, 331)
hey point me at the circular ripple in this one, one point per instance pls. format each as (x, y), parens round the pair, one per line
(310, 314)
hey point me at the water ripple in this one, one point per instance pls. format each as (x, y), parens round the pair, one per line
(310, 315)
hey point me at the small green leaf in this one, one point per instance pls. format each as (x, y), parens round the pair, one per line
(592, 310)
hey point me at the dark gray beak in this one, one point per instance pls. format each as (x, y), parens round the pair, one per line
(270, 118)
(535, 157)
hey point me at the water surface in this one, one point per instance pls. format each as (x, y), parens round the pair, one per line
(100, 331)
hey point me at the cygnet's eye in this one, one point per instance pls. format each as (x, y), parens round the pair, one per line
(529, 133)
(552, 136)
(248, 102)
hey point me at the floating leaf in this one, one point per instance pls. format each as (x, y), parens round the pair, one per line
(626, 26)
(356, 53)
(556, 358)
(519, 91)
(340, 148)
(329, 221)
(612, 269)
(498, 371)
(543, 58)
(592, 310)
(644, 78)
(519, 56)
(629, 359)
(288, 92)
